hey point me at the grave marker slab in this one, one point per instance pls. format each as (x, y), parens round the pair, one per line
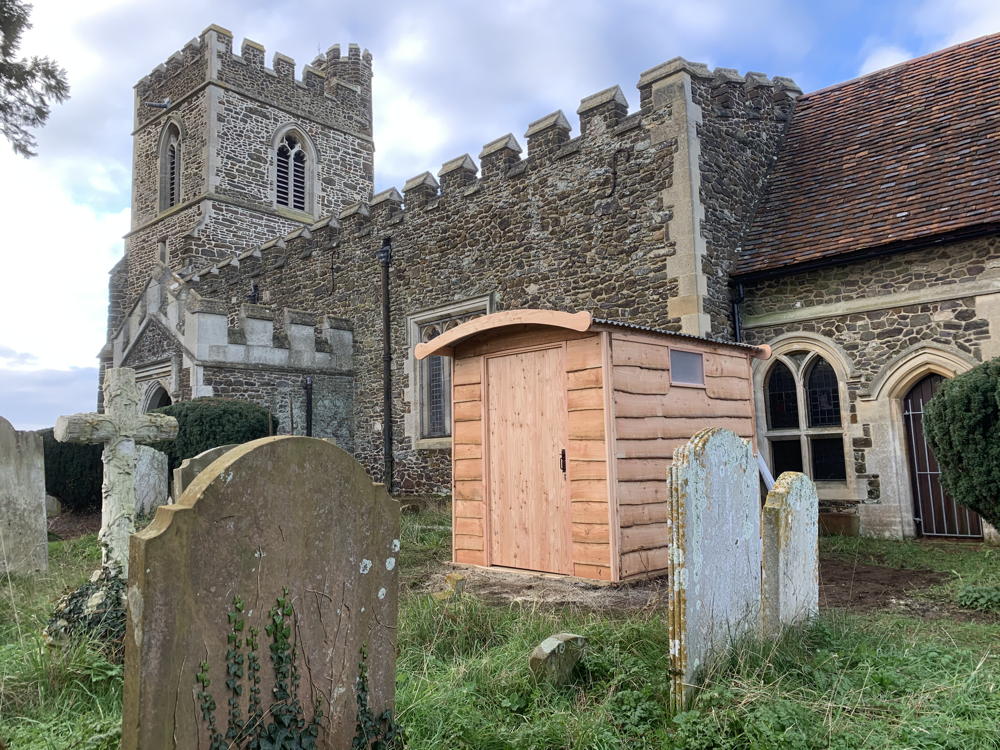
(151, 471)
(715, 551)
(192, 467)
(119, 428)
(23, 529)
(791, 553)
(283, 542)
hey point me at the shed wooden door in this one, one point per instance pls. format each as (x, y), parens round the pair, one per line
(526, 434)
(935, 512)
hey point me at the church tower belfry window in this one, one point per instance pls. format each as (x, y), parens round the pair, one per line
(291, 173)
(170, 167)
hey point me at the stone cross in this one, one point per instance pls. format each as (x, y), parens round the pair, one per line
(119, 428)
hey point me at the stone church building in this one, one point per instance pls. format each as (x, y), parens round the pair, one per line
(853, 229)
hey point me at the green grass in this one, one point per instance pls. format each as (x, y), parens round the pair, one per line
(844, 681)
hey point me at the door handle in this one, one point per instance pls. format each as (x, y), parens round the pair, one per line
(562, 460)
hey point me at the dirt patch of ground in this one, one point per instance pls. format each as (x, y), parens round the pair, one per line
(868, 588)
(73, 525)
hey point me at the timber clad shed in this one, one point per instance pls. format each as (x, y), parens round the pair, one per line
(564, 426)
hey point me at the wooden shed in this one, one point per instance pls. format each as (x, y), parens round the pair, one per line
(563, 427)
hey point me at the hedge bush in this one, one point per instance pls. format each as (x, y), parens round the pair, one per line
(209, 422)
(962, 425)
(73, 473)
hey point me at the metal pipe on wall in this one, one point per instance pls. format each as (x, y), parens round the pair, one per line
(384, 256)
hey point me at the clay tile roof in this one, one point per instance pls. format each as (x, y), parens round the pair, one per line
(896, 156)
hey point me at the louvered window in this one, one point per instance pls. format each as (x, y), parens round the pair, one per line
(291, 174)
(170, 167)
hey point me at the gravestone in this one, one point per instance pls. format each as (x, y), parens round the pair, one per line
(23, 529)
(192, 467)
(791, 553)
(263, 598)
(715, 552)
(151, 486)
(555, 658)
(119, 428)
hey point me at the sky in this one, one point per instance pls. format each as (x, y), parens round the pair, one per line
(449, 77)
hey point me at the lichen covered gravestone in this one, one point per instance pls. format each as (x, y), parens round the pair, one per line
(555, 658)
(23, 530)
(791, 555)
(715, 551)
(151, 485)
(259, 600)
(192, 467)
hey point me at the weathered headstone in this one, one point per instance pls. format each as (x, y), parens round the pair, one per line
(192, 467)
(120, 427)
(715, 552)
(151, 471)
(23, 530)
(555, 658)
(259, 599)
(791, 553)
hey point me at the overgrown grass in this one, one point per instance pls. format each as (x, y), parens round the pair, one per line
(844, 681)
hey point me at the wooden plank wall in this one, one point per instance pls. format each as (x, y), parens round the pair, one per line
(652, 418)
(468, 505)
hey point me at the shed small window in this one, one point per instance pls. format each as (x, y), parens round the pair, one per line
(686, 368)
(290, 180)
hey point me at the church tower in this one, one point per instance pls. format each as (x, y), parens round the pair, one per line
(229, 153)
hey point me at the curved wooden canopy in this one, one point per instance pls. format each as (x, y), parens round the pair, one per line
(442, 345)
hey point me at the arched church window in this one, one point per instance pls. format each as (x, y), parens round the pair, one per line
(802, 402)
(291, 184)
(170, 166)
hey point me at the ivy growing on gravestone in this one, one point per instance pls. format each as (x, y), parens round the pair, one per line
(288, 728)
(373, 733)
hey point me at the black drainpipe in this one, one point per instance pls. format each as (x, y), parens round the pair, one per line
(738, 299)
(385, 258)
(308, 386)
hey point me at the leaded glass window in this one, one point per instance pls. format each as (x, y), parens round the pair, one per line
(823, 395)
(781, 399)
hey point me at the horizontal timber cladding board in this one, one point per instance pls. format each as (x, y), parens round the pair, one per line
(583, 354)
(725, 365)
(469, 526)
(467, 541)
(646, 448)
(588, 512)
(589, 490)
(643, 469)
(691, 402)
(588, 470)
(642, 493)
(586, 450)
(591, 554)
(639, 380)
(469, 490)
(630, 428)
(592, 378)
(647, 536)
(591, 532)
(467, 371)
(469, 509)
(639, 354)
(469, 468)
(734, 389)
(470, 392)
(468, 450)
(516, 338)
(470, 556)
(585, 398)
(637, 515)
(586, 424)
(467, 411)
(468, 432)
(598, 572)
(646, 561)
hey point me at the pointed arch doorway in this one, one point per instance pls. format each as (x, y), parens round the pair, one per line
(935, 512)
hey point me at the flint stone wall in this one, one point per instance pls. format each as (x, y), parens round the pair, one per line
(23, 528)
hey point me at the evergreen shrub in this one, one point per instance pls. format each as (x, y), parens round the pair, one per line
(209, 422)
(73, 473)
(962, 425)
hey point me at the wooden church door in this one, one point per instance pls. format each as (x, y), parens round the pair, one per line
(935, 512)
(526, 440)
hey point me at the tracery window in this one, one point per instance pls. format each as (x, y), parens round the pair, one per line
(170, 166)
(804, 424)
(291, 186)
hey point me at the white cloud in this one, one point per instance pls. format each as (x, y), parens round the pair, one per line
(948, 22)
(883, 56)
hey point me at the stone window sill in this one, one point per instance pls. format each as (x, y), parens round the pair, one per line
(432, 444)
